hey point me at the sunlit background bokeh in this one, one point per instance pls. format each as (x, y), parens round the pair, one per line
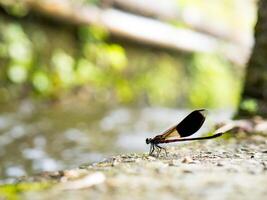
(73, 94)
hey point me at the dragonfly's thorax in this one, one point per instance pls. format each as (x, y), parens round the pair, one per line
(156, 139)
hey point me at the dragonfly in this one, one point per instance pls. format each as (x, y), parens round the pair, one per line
(179, 133)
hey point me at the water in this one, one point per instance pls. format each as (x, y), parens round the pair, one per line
(35, 138)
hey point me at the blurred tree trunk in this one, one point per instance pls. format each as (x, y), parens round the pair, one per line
(254, 97)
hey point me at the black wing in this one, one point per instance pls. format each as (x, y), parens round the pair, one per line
(191, 123)
(188, 126)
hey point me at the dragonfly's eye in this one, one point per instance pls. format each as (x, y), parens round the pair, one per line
(148, 140)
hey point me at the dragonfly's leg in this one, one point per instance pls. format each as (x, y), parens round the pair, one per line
(158, 150)
(152, 148)
(163, 149)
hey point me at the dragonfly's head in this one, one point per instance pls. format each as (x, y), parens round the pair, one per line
(148, 140)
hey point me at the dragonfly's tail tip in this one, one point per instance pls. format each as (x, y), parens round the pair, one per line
(219, 134)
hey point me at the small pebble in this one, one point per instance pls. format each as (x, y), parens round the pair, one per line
(264, 166)
(174, 163)
(186, 171)
(74, 173)
(125, 156)
(129, 160)
(244, 149)
(151, 158)
(187, 159)
(219, 164)
(115, 163)
(195, 162)
(237, 155)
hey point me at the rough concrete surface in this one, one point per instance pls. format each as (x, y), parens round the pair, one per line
(216, 169)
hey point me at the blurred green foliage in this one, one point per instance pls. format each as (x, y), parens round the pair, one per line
(213, 82)
(250, 105)
(38, 60)
(13, 191)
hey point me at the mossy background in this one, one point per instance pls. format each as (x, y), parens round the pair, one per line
(43, 59)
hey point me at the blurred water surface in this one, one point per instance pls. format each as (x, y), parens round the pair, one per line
(43, 138)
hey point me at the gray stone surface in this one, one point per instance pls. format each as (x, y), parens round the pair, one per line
(221, 169)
